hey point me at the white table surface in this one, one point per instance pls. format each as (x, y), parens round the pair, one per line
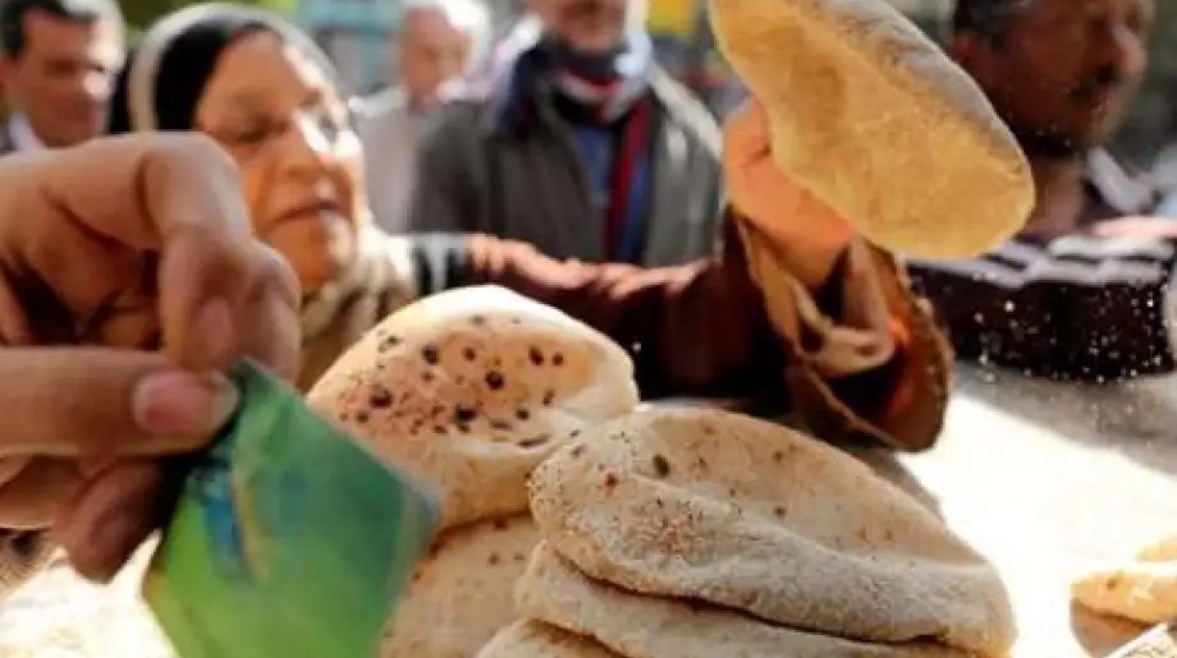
(1042, 478)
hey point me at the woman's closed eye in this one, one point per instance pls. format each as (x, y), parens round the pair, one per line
(248, 134)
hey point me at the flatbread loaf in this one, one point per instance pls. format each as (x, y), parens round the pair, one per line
(463, 593)
(1144, 591)
(1164, 550)
(471, 389)
(752, 516)
(637, 626)
(872, 118)
(532, 639)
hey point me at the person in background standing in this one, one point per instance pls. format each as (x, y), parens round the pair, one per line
(438, 42)
(1085, 291)
(58, 59)
(578, 143)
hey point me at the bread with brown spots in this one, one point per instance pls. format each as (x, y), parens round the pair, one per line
(1143, 589)
(1145, 592)
(872, 118)
(754, 517)
(471, 389)
(462, 594)
(532, 639)
(554, 592)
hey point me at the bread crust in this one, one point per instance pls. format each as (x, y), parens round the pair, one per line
(470, 389)
(870, 116)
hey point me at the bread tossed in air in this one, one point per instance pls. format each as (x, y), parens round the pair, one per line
(873, 119)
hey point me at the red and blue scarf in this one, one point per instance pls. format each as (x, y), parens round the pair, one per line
(606, 100)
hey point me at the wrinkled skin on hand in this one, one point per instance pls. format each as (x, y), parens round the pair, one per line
(129, 282)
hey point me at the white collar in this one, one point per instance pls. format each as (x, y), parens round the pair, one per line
(21, 132)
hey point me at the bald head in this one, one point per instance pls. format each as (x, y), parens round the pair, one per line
(438, 41)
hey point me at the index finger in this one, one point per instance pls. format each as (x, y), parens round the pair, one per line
(180, 195)
(139, 189)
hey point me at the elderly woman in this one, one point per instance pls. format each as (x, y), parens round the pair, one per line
(795, 310)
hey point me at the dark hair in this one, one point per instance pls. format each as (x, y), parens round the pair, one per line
(986, 18)
(184, 58)
(13, 39)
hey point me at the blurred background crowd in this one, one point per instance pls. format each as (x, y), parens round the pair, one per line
(357, 34)
(589, 131)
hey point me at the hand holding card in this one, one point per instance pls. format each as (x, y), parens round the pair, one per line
(289, 539)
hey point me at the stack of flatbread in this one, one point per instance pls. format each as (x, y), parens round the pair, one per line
(702, 534)
(1142, 589)
(471, 389)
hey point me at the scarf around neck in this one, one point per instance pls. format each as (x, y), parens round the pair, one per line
(607, 85)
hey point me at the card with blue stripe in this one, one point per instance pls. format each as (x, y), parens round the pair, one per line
(289, 540)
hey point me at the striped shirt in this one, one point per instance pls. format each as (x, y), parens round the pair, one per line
(1074, 307)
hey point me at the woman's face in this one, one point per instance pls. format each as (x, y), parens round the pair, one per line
(283, 121)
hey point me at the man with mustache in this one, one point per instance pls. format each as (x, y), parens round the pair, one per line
(577, 142)
(1082, 293)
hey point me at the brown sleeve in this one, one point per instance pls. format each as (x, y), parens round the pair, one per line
(696, 329)
(900, 403)
(705, 328)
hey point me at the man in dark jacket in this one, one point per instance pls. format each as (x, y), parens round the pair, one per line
(577, 142)
(58, 59)
(1083, 293)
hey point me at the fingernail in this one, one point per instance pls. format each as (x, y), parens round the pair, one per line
(183, 402)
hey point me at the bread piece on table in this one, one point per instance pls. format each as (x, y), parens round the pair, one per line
(1162, 551)
(532, 639)
(753, 516)
(1145, 592)
(637, 626)
(463, 593)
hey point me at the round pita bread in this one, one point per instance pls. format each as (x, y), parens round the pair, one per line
(531, 639)
(1161, 551)
(463, 593)
(471, 389)
(871, 117)
(752, 516)
(1142, 591)
(636, 626)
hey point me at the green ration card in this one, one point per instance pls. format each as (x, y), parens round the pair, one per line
(290, 540)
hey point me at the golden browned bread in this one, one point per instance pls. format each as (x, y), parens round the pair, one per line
(472, 388)
(755, 518)
(463, 593)
(554, 592)
(532, 639)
